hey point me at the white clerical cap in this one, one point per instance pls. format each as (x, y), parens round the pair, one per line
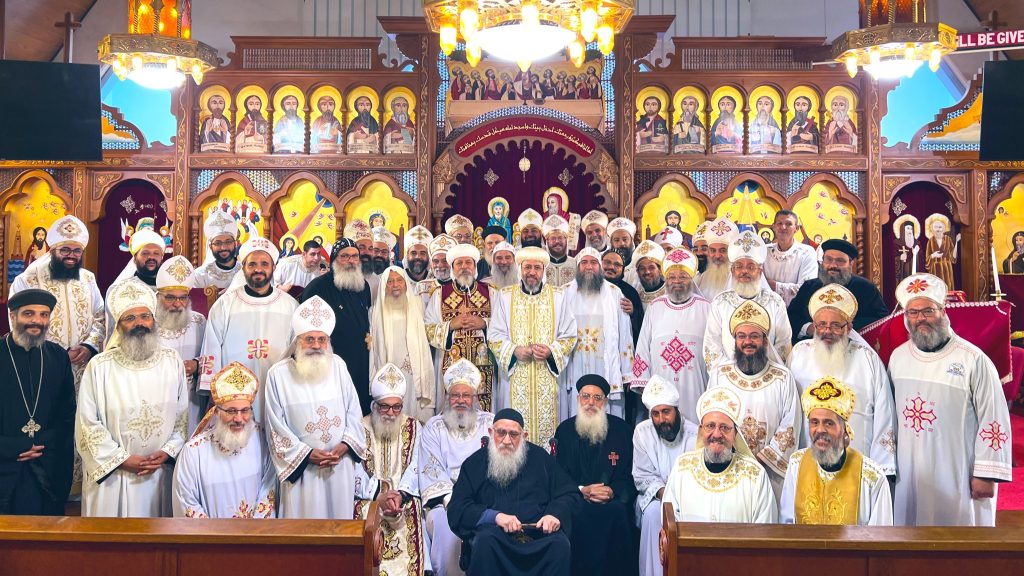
(748, 245)
(660, 392)
(220, 223)
(145, 237)
(530, 217)
(682, 258)
(455, 222)
(441, 243)
(670, 236)
(836, 297)
(175, 274)
(462, 251)
(313, 315)
(555, 223)
(358, 230)
(588, 251)
(649, 249)
(921, 286)
(532, 254)
(67, 230)
(721, 231)
(621, 224)
(382, 234)
(417, 236)
(258, 244)
(462, 372)
(700, 234)
(389, 382)
(503, 247)
(129, 294)
(595, 217)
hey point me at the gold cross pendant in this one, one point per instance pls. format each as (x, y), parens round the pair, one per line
(31, 428)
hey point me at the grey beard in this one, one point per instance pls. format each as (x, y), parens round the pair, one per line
(599, 246)
(686, 116)
(465, 280)
(443, 274)
(416, 267)
(173, 320)
(762, 118)
(830, 359)
(728, 117)
(351, 279)
(532, 286)
(22, 338)
(931, 340)
(715, 277)
(592, 429)
(139, 347)
(651, 286)
(827, 457)
(401, 118)
(589, 282)
(751, 365)
(713, 458)
(501, 469)
(459, 421)
(843, 280)
(386, 428)
(502, 279)
(396, 303)
(681, 295)
(230, 441)
(746, 290)
(311, 366)
(840, 116)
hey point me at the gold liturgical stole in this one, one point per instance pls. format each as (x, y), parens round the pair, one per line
(825, 497)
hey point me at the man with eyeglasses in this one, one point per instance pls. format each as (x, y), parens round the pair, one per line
(514, 505)
(249, 324)
(561, 268)
(439, 268)
(224, 470)
(181, 328)
(448, 439)
(718, 236)
(132, 414)
(657, 444)
(837, 268)
(720, 481)
(313, 420)
(389, 474)
(838, 351)
(953, 439)
(460, 228)
(221, 264)
(747, 254)
(770, 414)
(595, 449)
(384, 243)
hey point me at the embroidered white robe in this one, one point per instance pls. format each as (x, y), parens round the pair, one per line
(953, 424)
(210, 274)
(604, 345)
(653, 460)
(741, 493)
(874, 505)
(212, 483)
(670, 345)
(128, 408)
(790, 268)
(718, 341)
(301, 416)
(188, 343)
(291, 271)
(873, 414)
(561, 273)
(111, 323)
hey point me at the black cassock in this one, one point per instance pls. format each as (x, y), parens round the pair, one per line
(39, 486)
(870, 306)
(351, 327)
(602, 542)
(541, 488)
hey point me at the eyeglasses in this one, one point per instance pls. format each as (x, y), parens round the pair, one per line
(310, 340)
(235, 411)
(512, 434)
(461, 396)
(384, 408)
(830, 260)
(169, 298)
(746, 267)
(70, 251)
(923, 312)
(222, 244)
(145, 317)
(595, 397)
(710, 427)
(830, 326)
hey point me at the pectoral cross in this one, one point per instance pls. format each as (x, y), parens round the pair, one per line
(31, 428)
(614, 458)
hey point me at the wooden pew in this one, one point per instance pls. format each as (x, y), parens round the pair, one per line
(770, 550)
(37, 545)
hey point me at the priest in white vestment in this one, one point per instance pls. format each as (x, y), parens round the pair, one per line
(531, 228)
(132, 413)
(460, 228)
(249, 324)
(672, 336)
(439, 268)
(832, 482)
(595, 230)
(532, 333)
(503, 267)
(390, 474)
(180, 328)
(313, 420)
(147, 249)
(953, 440)
(657, 444)
(838, 351)
(299, 270)
(644, 272)
(720, 481)
(789, 263)
(604, 342)
(746, 254)
(562, 268)
(416, 257)
(718, 236)
(398, 336)
(770, 414)
(447, 440)
(668, 238)
(221, 263)
(621, 232)
(224, 471)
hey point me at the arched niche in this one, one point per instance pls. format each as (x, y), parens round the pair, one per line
(672, 193)
(129, 206)
(302, 209)
(827, 209)
(1006, 217)
(233, 193)
(378, 194)
(749, 201)
(32, 203)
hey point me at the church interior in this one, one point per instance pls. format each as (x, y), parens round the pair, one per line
(865, 118)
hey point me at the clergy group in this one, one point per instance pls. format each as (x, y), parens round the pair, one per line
(515, 401)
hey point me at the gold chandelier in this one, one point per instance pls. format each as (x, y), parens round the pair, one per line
(895, 40)
(158, 50)
(525, 31)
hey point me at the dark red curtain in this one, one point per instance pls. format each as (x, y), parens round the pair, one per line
(920, 199)
(471, 191)
(127, 201)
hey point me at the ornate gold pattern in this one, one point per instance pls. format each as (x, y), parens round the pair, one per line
(147, 421)
(742, 467)
(754, 432)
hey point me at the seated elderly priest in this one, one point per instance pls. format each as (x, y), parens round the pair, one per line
(830, 482)
(596, 449)
(514, 505)
(37, 411)
(720, 481)
(224, 471)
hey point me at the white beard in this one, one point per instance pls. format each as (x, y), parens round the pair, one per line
(592, 428)
(503, 469)
(747, 290)
(173, 320)
(311, 366)
(352, 279)
(230, 441)
(713, 458)
(465, 280)
(501, 279)
(385, 428)
(715, 277)
(459, 422)
(397, 304)
(141, 347)
(831, 360)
